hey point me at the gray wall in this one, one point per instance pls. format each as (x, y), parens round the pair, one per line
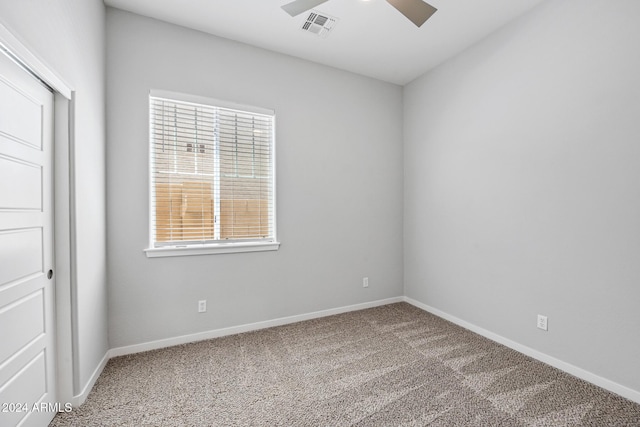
(69, 36)
(522, 174)
(339, 185)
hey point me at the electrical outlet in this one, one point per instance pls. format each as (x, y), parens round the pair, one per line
(202, 306)
(542, 322)
(365, 282)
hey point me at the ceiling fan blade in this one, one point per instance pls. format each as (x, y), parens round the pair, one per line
(416, 11)
(298, 6)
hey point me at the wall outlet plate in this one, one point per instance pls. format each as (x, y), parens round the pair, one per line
(542, 322)
(365, 282)
(202, 306)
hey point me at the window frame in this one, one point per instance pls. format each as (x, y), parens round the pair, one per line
(219, 247)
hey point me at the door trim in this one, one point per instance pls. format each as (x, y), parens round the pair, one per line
(19, 51)
(64, 221)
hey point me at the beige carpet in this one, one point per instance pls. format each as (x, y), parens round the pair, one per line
(388, 366)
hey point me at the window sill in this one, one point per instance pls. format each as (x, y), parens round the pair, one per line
(210, 249)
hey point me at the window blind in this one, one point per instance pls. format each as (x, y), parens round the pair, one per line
(212, 174)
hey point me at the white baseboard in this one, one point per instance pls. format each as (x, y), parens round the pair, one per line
(606, 384)
(80, 398)
(216, 333)
(599, 381)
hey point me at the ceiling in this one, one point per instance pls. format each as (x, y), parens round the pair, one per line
(370, 38)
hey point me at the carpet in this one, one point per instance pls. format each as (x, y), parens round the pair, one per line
(394, 365)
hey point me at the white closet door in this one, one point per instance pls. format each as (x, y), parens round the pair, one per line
(27, 283)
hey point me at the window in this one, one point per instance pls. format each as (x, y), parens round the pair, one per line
(212, 176)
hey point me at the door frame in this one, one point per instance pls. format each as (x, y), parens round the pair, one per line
(64, 219)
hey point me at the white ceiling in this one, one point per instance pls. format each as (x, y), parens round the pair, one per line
(371, 37)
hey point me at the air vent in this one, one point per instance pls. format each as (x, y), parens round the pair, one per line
(319, 24)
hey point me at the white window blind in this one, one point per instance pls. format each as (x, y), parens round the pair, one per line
(212, 174)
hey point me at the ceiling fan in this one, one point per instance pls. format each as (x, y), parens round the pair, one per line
(417, 11)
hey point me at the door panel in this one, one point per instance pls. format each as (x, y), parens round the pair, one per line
(27, 311)
(27, 326)
(22, 115)
(27, 386)
(20, 194)
(20, 254)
